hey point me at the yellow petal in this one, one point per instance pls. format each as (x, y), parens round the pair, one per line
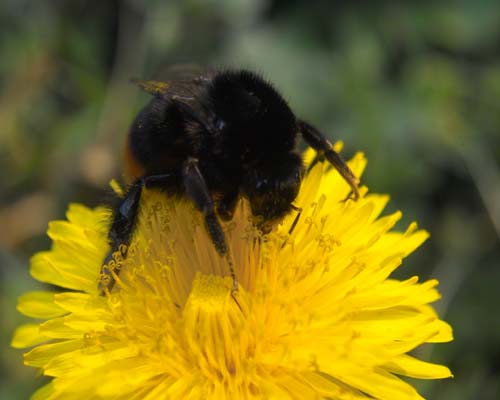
(27, 335)
(39, 305)
(46, 392)
(412, 367)
(41, 355)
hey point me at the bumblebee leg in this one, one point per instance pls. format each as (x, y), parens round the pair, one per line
(226, 206)
(124, 221)
(197, 190)
(321, 144)
(319, 157)
(294, 223)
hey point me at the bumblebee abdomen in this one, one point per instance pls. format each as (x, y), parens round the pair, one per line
(157, 141)
(133, 169)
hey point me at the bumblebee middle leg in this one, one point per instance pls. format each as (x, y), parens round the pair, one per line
(196, 189)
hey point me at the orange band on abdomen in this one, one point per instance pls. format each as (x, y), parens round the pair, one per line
(132, 168)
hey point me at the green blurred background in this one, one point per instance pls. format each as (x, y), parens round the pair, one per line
(415, 85)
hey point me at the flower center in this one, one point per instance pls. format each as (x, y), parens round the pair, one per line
(215, 327)
(209, 293)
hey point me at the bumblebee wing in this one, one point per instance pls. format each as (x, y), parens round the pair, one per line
(186, 88)
(185, 73)
(156, 88)
(183, 81)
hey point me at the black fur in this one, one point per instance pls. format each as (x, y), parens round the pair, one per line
(219, 135)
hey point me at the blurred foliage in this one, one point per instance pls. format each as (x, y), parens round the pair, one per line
(416, 85)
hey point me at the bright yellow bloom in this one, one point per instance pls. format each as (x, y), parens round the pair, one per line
(316, 315)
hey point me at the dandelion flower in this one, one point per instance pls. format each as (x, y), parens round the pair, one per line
(316, 316)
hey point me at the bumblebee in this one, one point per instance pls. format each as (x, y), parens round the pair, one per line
(214, 136)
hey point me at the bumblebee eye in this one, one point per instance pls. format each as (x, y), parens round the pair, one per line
(262, 184)
(220, 124)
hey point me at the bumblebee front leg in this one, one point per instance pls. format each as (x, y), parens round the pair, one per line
(197, 190)
(322, 145)
(124, 222)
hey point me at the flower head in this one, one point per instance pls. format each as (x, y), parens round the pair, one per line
(316, 314)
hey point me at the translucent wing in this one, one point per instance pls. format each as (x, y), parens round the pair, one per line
(183, 82)
(185, 72)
